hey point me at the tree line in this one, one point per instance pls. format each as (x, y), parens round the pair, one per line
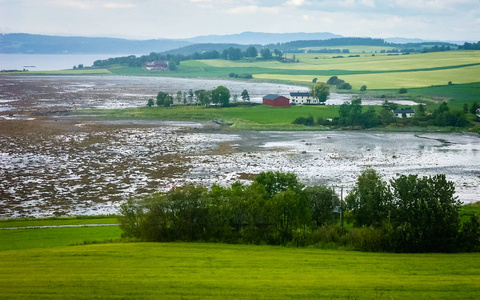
(352, 114)
(219, 96)
(409, 214)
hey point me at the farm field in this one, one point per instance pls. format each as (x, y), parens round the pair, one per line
(377, 71)
(218, 271)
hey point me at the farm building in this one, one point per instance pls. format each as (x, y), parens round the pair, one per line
(157, 65)
(276, 100)
(409, 112)
(303, 98)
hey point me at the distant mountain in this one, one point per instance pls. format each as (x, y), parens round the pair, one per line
(45, 44)
(418, 41)
(261, 38)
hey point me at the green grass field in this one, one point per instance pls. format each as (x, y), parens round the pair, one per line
(43, 263)
(243, 118)
(199, 271)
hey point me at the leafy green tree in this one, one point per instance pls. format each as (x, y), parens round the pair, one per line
(204, 97)
(265, 53)
(425, 217)
(190, 96)
(161, 96)
(469, 236)
(320, 91)
(130, 218)
(314, 80)
(322, 201)
(245, 95)
(402, 91)
(332, 80)
(363, 88)
(387, 117)
(179, 97)
(285, 211)
(276, 182)
(278, 53)
(234, 53)
(235, 98)
(172, 65)
(168, 101)
(150, 102)
(370, 201)
(474, 107)
(251, 52)
(221, 95)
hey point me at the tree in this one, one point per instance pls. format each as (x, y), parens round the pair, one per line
(190, 96)
(204, 97)
(245, 95)
(465, 108)
(235, 98)
(278, 53)
(402, 91)
(320, 91)
(161, 96)
(234, 53)
(150, 102)
(322, 201)
(314, 80)
(363, 88)
(168, 101)
(251, 52)
(425, 218)
(179, 97)
(474, 107)
(172, 65)
(221, 95)
(370, 201)
(332, 80)
(265, 53)
(275, 182)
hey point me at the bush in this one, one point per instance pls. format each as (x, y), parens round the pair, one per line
(344, 86)
(402, 91)
(363, 88)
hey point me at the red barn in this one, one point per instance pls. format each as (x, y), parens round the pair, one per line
(276, 100)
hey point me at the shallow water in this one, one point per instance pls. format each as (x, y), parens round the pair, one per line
(60, 165)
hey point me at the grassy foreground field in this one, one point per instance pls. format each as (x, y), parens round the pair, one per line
(199, 271)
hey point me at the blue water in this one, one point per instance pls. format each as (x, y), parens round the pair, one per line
(49, 62)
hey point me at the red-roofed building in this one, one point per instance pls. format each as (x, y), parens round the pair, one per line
(276, 100)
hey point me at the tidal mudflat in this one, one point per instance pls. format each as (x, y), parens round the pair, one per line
(55, 163)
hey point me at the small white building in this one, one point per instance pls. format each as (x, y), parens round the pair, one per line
(302, 98)
(408, 112)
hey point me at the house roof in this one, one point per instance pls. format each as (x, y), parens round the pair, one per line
(271, 96)
(408, 110)
(300, 94)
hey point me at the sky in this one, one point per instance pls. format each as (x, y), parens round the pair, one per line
(447, 20)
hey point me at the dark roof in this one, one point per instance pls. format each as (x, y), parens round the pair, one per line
(408, 110)
(300, 94)
(271, 96)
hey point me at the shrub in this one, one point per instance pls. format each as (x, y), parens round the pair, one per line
(402, 91)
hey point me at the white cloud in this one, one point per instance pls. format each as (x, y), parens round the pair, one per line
(118, 5)
(253, 9)
(295, 2)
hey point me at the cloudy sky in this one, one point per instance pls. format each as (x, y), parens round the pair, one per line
(457, 20)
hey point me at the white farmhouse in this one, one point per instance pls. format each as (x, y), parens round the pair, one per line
(302, 98)
(408, 112)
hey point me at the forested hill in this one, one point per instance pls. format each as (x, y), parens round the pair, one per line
(352, 41)
(199, 48)
(44, 44)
